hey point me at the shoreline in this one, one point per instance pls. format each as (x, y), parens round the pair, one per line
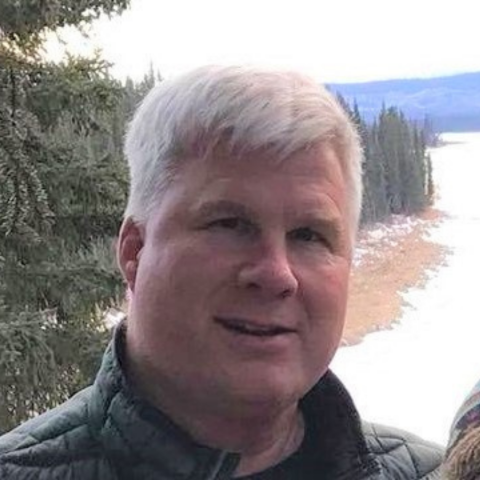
(392, 258)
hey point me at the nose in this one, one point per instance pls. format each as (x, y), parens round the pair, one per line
(269, 272)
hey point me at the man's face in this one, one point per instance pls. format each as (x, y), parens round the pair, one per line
(241, 285)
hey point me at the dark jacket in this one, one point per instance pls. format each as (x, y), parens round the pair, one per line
(106, 433)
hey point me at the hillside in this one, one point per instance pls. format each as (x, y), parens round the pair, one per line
(452, 103)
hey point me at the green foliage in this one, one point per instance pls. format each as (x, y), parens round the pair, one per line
(24, 338)
(23, 21)
(63, 185)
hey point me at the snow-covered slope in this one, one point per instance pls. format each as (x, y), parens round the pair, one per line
(416, 375)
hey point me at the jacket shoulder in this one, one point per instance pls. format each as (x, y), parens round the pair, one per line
(45, 446)
(49, 426)
(403, 455)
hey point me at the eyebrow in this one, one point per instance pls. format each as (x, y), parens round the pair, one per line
(319, 214)
(315, 217)
(224, 207)
(330, 225)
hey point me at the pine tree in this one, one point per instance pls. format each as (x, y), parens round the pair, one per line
(389, 141)
(62, 189)
(397, 171)
(375, 178)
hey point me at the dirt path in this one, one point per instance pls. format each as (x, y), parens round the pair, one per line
(392, 263)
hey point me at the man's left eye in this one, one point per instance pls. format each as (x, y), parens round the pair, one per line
(306, 234)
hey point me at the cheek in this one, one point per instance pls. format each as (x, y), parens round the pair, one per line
(154, 282)
(181, 273)
(326, 313)
(326, 297)
(326, 306)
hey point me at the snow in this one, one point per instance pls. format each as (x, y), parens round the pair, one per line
(383, 234)
(416, 375)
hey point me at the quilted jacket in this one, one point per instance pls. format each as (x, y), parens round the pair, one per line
(105, 432)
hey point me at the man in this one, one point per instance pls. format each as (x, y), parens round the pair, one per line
(236, 249)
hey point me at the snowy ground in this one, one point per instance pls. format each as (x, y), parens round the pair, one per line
(416, 375)
(383, 234)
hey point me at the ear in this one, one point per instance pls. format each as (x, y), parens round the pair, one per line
(129, 247)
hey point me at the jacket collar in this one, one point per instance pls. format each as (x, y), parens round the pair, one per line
(341, 445)
(139, 436)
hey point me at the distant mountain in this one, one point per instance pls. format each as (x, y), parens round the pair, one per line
(451, 103)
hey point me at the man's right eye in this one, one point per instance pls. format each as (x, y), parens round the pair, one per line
(234, 224)
(230, 223)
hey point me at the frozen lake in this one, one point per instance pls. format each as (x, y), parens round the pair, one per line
(416, 375)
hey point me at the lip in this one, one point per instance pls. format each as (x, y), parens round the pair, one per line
(248, 327)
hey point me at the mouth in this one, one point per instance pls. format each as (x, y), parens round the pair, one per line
(246, 327)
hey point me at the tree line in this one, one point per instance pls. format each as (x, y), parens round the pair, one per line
(63, 187)
(397, 168)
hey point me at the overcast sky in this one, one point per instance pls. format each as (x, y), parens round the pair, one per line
(333, 40)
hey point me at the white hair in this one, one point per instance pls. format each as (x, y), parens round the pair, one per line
(248, 109)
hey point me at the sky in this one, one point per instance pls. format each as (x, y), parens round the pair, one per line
(416, 375)
(331, 40)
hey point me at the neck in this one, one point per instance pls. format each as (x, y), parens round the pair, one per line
(261, 439)
(277, 446)
(263, 435)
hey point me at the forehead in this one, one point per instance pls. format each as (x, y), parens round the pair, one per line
(317, 163)
(305, 179)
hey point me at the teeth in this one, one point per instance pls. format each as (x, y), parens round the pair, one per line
(251, 331)
(258, 328)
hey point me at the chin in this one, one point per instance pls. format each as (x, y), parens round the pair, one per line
(276, 389)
